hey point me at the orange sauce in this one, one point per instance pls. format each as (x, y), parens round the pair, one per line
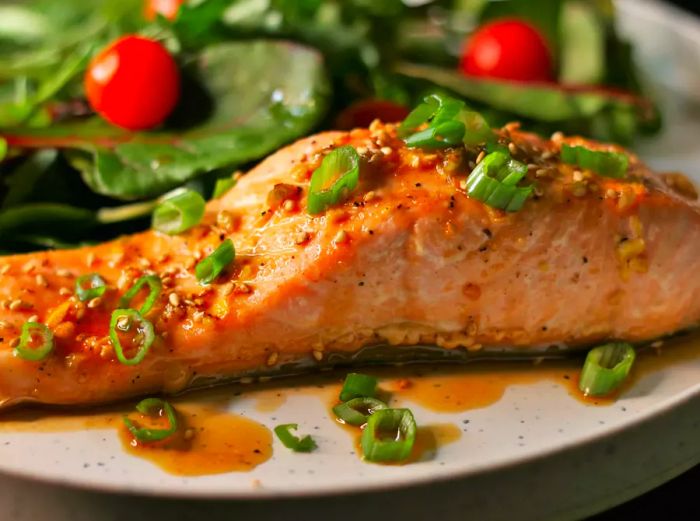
(211, 442)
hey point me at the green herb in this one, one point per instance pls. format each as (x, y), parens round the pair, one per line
(494, 181)
(131, 321)
(222, 186)
(154, 289)
(358, 410)
(602, 162)
(358, 385)
(28, 348)
(211, 266)
(179, 212)
(88, 287)
(153, 407)
(389, 435)
(331, 182)
(305, 444)
(606, 368)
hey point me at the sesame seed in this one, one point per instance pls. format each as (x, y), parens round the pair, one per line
(243, 287)
(227, 288)
(28, 267)
(95, 302)
(610, 193)
(512, 148)
(288, 205)
(657, 344)
(463, 184)
(541, 172)
(369, 196)
(123, 323)
(340, 237)
(144, 263)
(61, 272)
(480, 157)
(301, 237)
(386, 151)
(362, 150)
(41, 281)
(198, 315)
(318, 355)
(33, 318)
(14, 342)
(4, 269)
(64, 292)
(272, 359)
(174, 299)
(577, 175)
(17, 304)
(188, 434)
(90, 259)
(4, 324)
(557, 136)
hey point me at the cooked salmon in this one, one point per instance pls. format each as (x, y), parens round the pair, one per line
(407, 259)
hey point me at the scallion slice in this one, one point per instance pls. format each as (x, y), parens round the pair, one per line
(154, 285)
(3, 148)
(35, 342)
(153, 407)
(305, 444)
(602, 162)
(450, 123)
(211, 266)
(179, 212)
(358, 410)
(389, 435)
(125, 321)
(494, 182)
(222, 186)
(90, 286)
(605, 368)
(358, 385)
(337, 175)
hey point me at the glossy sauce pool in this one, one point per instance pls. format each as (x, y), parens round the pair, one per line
(222, 441)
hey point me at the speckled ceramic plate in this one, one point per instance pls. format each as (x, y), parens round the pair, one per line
(535, 430)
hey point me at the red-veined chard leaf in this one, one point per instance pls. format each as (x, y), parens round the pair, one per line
(264, 95)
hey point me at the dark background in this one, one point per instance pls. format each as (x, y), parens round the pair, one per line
(677, 499)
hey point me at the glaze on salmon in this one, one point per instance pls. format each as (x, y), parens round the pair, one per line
(407, 259)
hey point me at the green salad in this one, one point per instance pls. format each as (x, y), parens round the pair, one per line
(107, 106)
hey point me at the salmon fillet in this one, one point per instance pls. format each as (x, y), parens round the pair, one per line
(408, 259)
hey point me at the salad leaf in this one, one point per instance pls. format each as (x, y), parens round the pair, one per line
(264, 94)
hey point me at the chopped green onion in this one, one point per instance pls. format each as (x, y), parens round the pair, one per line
(602, 162)
(494, 182)
(450, 123)
(155, 286)
(211, 266)
(123, 320)
(90, 286)
(606, 367)
(222, 186)
(338, 175)
(358, 410)
(179, 212)
(153, 407)
(27, 348)
(358, 386)
(305, 444)
(3, 148)
(445, 134)
(389, 435)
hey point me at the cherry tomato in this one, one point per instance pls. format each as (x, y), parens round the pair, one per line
(362, 113)
(133, 83)
(166, 8)
(509, 49)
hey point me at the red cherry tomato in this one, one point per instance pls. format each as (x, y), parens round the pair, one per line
(166, 8)
(362, 113)
(133, 83)
(509, 49)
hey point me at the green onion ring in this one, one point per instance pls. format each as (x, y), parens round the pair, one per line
(146, 327)
(155, 286)
(212, 265)
(151, 407)
(337, 176)
(389, 435)
(178, 212)
(350, 411)
(358, 385)
(603, 162)
(305, 444)
(34, 354)
(606, 368)
(96, 287)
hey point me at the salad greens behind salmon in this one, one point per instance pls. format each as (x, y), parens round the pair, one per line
(255, 75)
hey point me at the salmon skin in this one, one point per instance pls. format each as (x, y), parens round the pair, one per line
(408, 259)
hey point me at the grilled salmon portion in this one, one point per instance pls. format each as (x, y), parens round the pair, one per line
(407, 259)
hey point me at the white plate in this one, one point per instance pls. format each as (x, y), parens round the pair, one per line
(536, 436)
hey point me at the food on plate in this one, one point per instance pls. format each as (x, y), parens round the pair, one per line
(438, 231)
